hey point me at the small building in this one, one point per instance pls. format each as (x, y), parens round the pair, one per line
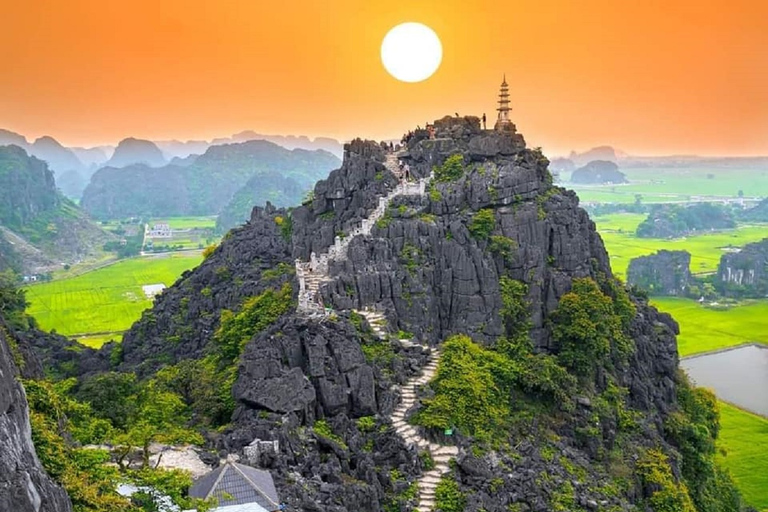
(238, 488)
(160, 231)
(150, 290)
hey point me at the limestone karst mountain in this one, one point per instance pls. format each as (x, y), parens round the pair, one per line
(456, 341)
(132, 151)
(598, 172)
(41, 228)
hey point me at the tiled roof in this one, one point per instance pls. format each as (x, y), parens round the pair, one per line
(236, 484)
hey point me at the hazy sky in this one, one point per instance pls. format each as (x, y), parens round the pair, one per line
(647, 76)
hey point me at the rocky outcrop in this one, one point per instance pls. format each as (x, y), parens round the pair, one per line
(223, 281)
(662, 273)
(24, 485)
(598, 172)
(745, 273)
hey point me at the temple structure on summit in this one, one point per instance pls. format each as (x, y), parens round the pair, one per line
(503, 121)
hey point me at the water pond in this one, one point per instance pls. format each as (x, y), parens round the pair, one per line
(739, 376)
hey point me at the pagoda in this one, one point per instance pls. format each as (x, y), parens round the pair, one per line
(503, 122)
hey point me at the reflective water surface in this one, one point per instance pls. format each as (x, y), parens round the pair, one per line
(739, 376)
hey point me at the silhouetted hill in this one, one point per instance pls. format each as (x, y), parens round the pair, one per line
(58, 157)
(598, 172)
(8, 137)
(136, 151)
(205, 186)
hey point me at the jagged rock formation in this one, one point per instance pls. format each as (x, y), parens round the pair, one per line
(745, 273)
(132, 151)
(662, 273)
(671, 221)
(247, 252)
(24, 485)
(207, 185)
(334, 396)
(598, 172)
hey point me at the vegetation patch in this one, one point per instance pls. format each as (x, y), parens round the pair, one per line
(482, 224)
(589, 328)
(451, 170)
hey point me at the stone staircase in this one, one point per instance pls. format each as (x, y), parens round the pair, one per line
(314, 273)
(441, 454)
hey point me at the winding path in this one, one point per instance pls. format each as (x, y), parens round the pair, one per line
(314, 273)
(441, 454)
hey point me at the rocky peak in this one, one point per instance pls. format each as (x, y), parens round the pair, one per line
(422, 264)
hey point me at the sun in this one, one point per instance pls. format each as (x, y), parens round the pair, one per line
(411, 52)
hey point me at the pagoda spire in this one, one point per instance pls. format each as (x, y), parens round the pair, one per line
(504, 108)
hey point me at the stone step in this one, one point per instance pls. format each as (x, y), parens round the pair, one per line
(442, 450)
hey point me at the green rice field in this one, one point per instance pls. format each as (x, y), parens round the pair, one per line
(187, 222)
(106, 300)
(617, 231)
(744, 439)
(664, 184)
(703, 329)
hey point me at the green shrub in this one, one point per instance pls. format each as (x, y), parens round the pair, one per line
(482, 224)
(209, 250)
(666, 495)
(587, 327)
(435, 195)
(256, 313)
(366, 424)
(448, 496)
(451, 170)
(503, 246)
(323, 429)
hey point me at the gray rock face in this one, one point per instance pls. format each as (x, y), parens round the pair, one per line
(24, 485)
(597, 172)
(662, 273)
(745, 273)
(423, 266)
(308, 368)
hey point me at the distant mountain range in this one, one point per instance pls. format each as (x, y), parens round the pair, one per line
(209, 184)
(610, 154)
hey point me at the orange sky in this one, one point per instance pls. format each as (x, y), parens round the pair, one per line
(647, 76)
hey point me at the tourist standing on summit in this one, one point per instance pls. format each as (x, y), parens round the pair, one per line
(483, 120)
